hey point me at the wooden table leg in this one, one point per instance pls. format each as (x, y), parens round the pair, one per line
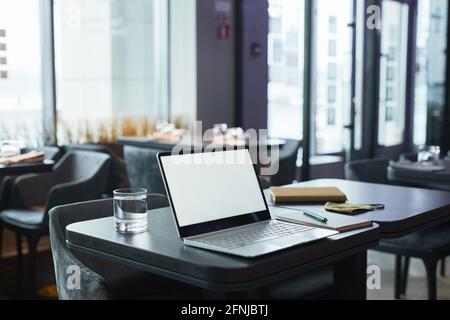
(350, 278)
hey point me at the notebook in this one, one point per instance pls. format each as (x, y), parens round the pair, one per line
(306, 195)
(337, 222)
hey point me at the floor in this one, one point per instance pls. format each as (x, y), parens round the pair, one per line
(9, 279)
(416, 285)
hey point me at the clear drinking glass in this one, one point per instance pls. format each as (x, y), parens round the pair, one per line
(236, 134)
(436, 152)
(220, 129)
(130, 210)
(9, 149)
(429, 155)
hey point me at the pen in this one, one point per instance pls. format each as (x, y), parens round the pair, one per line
(315, 216)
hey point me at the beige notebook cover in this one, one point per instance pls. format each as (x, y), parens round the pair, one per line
(307, 195)
(337, 222)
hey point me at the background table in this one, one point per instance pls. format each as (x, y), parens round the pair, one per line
(431, 180)
(26, 168)
(407, 209)
(169, 145)
(160, 251)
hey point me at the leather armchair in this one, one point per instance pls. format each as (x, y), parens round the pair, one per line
(102, 279)
(287, 164)
(79, 176)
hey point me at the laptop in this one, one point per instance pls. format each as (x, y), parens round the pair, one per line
(218, 205)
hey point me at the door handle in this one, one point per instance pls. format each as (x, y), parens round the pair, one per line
(349, 127)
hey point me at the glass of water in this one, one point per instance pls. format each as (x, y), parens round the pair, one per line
(429, 155)
(130, 210)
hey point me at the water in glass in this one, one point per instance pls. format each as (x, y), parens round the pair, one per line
(130, 210)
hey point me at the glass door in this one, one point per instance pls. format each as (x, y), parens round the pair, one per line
(393, 89)
(285, 59)
(355, 124)
(430, 75)
(333, 75)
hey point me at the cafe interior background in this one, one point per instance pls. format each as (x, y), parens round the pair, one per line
(76, 73)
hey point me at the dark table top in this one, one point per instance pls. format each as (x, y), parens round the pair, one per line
(407, 209)
(168, 146)
(161, 251)
(26, 168)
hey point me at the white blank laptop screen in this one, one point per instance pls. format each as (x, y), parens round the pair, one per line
(212, 186)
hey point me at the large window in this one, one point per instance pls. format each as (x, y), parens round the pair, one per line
(111, 68)
(393, 73)
(431, 46)
(20, 71)
(286, 58)
(360, 28)
(111, 63)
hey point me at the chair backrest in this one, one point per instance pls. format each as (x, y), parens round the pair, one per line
(118, 177)
(51, 152)
(143, 169)
(370, 170)
(81, 165)
(287, 163)
(95, 271)
(86, 172)
(5, 188)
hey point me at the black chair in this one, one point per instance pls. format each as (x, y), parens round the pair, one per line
(101, 279)
(118, 177)
(79, 176)
(431, 245)
(143, 169)
(287, 163)
(6, 182)
(104, 280)
(373, 171)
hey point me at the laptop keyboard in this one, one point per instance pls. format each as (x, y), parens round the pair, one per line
(249, 236)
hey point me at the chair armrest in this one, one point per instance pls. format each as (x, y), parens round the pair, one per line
(157, 201)
(92, 286)
(32, 190)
